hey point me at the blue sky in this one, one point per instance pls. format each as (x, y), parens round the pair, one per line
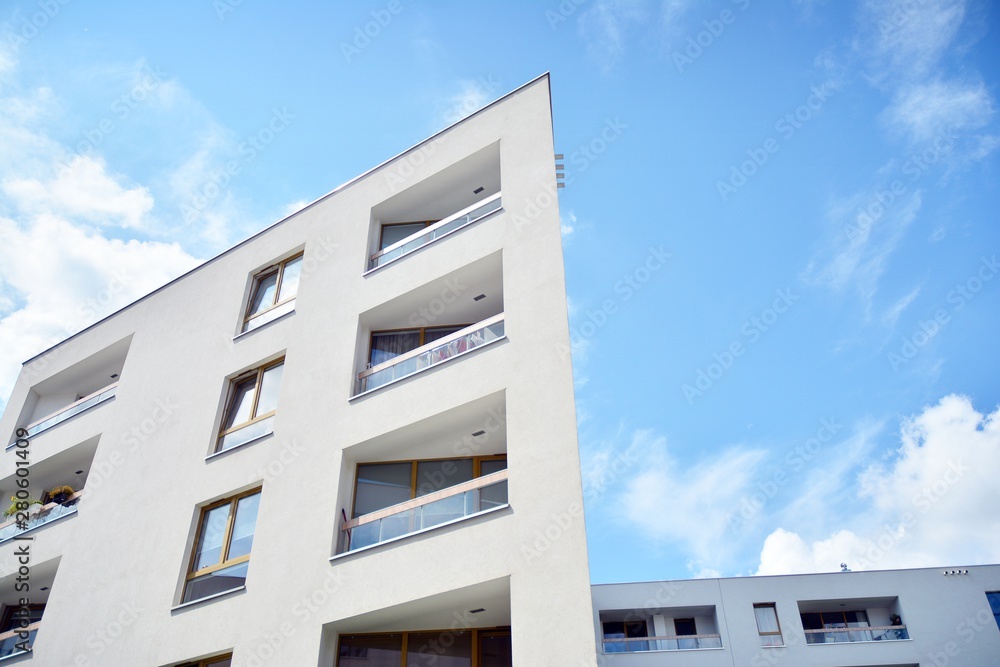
(780, 231)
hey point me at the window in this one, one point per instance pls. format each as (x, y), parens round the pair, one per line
(394, 232)
(622, 630)
(250, 405)
(273, 293)
(443, 647)
(388, 344)
(994, 598)
(14, 624)
(836, 622)
(380, 485)
(221, 553)
(217, 661)
(767, 624)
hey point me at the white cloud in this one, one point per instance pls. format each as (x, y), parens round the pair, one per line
(83, 189)
(933, 504)
(687, 505)
(567, 223)
(922, 110)
(62, 279)
(471, 96)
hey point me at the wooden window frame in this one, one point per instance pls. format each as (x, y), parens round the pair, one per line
(258, 374)
(414, 463)
(405, 637)
(224, 562)
(769, 633)
(9, 610)
(278, 267)
(206, 662)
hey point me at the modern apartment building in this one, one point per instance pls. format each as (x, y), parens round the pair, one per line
(890, 618)
(349, 440)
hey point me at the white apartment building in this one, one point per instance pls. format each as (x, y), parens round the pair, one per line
(349, 440)
(891, 618)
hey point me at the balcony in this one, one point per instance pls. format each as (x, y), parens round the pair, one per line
(856, 633)
(669, 643)
(854, 620)
(436, 352)
(434, 231)
(70, 411)
(45, 514)
(11, 641)
(433, 510)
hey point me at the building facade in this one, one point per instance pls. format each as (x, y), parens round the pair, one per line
(349, 440)
(892, 618)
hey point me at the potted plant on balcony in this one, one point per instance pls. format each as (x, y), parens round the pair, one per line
(34, 506)
(60, 494)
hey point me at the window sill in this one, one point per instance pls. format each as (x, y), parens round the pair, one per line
(418, 532)
(239, 446)
(214, 596)
(263, 326)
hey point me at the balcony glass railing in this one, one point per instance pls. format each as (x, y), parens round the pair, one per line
(9, 641)
(467, 499)
(452, 223)
(432, 354)
(674, 643)
(71, 410)
(866, 633)
(48, 514)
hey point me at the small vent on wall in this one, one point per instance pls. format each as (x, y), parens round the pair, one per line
(560, 171)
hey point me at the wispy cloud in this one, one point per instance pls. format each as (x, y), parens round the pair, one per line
(858, 245)
(685, 505)
(606, 25)
(922, 110)
(895, 310)
(906, 40)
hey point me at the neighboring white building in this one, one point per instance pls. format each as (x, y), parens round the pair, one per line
(350, 441)
(349, 437)
(890, 618)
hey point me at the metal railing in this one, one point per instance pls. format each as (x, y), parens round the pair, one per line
(49, 513)
(433, 509)
(436, 352)
(454, 222)
(663, 643)
(864, 633)
(71, 410)
(9, 640)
